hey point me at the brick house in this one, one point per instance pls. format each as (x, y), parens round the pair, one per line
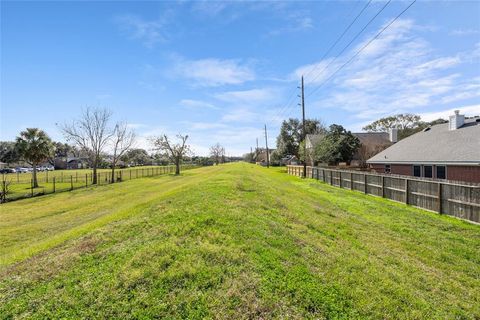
(445, 151)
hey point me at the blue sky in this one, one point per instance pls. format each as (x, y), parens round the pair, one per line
(220, 70)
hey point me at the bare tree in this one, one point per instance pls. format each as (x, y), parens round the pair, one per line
(122, 140)
(366, 151)
(217, 152)
(91, 134)
(175, 152)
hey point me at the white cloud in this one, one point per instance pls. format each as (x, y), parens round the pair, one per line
(214, 72)
(240, 115)
(247, 97)
(295, 22)
(399, 72)
(210, 8)
(464, 32)
(148, 32)
(197, 104)
(468, 111)
(204, 125)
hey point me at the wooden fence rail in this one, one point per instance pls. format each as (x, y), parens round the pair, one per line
(459, 200)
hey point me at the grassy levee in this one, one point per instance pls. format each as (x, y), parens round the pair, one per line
(235, 241)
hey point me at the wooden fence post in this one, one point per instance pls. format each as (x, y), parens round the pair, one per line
(18, 177)
(440, 198)
(406, 191)
(71, 182)
(46, 172)
(86, 180)
(365, 183)
(31, 186)
(340, 173)
(383, 186)
(331, 177)
(351, 181)
(54, 184)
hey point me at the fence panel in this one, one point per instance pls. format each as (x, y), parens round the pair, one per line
(455, 199)
(395, 188)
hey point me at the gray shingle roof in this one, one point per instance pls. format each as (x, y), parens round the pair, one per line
(373, 138)
(436, 145)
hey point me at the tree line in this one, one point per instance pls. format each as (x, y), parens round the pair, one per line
(93, 136)
(338, 144)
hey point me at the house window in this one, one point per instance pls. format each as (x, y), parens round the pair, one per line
(417, 172)
(441, 172)
(428, 172)
(387, 168)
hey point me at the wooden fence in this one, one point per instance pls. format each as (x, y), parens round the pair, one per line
(459, 200)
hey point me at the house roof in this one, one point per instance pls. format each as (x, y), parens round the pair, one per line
(373, 138)
(436, 145)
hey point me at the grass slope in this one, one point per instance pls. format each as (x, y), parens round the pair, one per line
(235, 241)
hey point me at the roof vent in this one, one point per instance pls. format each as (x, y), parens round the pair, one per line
(456, 121)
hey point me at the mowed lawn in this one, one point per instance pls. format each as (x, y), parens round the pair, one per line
(236, 241)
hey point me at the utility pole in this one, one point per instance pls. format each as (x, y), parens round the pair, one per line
(304, 133)
(266, 146)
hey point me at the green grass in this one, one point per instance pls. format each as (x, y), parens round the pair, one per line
(235, 241)
(21, 185)
(64, 175)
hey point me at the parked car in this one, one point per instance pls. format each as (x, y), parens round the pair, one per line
(50, 168)
(8, 170)
(22, 170)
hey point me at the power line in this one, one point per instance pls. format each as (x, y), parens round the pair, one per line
(284, 109)
(352, 40)
(340, 37)
(363, 48)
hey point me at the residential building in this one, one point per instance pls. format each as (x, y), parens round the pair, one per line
(445, 151)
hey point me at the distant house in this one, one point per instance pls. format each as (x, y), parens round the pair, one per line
(444, 151)
(260, 155)
(289, 160)
(77, 163)
(371, 144)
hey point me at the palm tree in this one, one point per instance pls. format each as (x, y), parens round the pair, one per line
(35, 147)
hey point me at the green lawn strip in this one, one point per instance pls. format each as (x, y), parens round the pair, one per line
(50, 220)
(249, 242)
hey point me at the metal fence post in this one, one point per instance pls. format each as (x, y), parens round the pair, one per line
(46, 176)
(54, 190)
(71, 182)
(86, 180)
